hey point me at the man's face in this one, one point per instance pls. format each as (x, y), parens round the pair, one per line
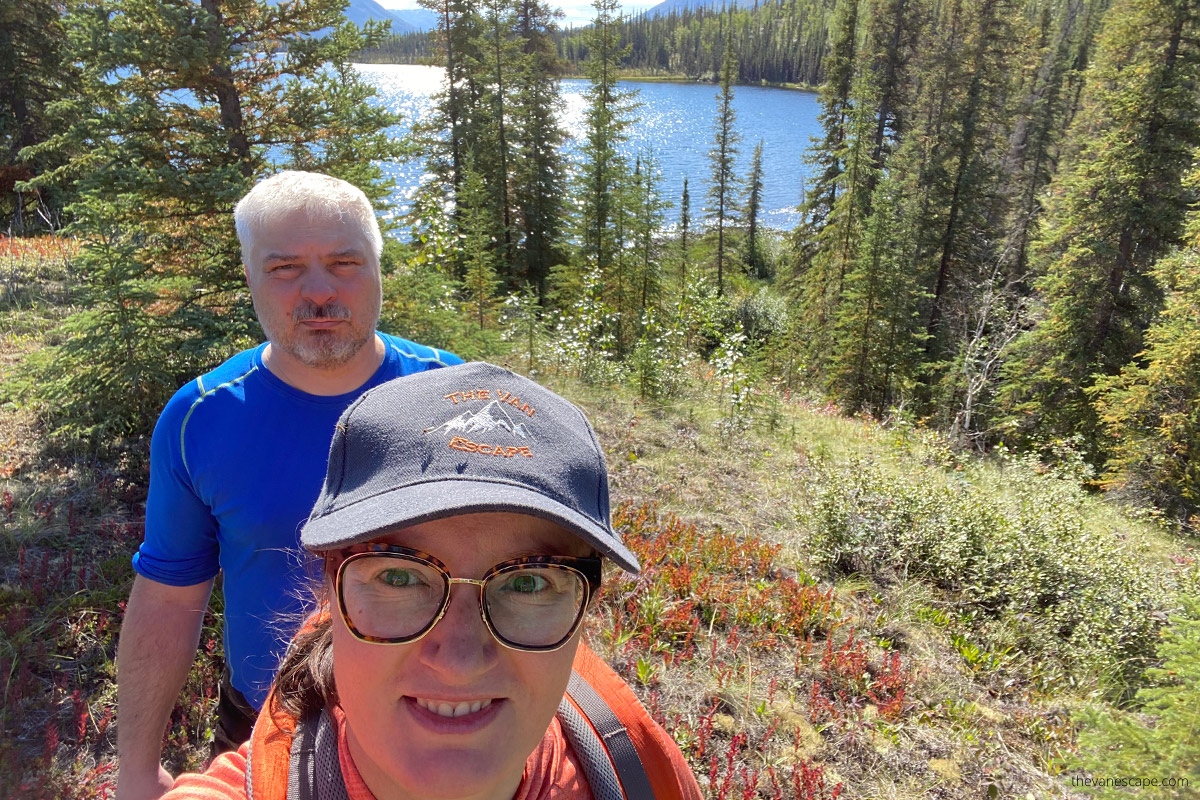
(400, 745)
(316, 288)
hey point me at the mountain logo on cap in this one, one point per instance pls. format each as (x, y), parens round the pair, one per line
(488, 419)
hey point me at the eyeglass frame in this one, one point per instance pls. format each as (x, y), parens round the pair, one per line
(590, 568)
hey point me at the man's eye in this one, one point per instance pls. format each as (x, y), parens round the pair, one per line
(284, 267)
(528, 584)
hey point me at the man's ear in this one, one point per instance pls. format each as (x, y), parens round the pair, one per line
(246, 272)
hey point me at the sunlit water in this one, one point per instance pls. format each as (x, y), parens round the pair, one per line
(675, 120)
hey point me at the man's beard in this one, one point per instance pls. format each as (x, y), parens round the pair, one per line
(322, 349)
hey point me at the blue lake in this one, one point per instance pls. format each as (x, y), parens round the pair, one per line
(676, 121)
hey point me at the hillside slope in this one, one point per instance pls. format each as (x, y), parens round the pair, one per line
(828, 606)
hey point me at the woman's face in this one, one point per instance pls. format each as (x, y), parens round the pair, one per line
(401, 700)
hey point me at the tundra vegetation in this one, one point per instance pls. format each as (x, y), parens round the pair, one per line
(915, 485)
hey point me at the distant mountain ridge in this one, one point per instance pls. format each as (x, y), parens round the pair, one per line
(422, 19)
(408, 20)
(667, 6)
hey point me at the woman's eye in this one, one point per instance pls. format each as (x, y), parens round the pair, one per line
(397, 577)
(528, 584)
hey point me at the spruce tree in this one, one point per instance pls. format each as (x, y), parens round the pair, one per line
(685, 241)
(964, 210)
(498, 50)
(877, 328)
(650, 210)
(189, 104)
(835, 107)
(1120, 208)
(1042, 115)
(1150, 411)
(1158, 735)
(39, 89)
(821, 287)
(893, 30)
(480, 250)
(752, 203)
(539, 173)
(445, 134)
(604, 173)
(723, 189)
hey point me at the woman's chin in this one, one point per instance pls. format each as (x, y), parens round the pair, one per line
(422, 768)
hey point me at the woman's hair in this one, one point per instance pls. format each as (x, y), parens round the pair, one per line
(305, 679)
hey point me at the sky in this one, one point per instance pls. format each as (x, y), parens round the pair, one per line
(578, 13)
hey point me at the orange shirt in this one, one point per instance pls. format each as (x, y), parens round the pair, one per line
(551, 771)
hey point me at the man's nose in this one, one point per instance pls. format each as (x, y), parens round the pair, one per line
(318, 286)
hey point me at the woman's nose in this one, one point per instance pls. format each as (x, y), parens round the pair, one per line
(460, 647)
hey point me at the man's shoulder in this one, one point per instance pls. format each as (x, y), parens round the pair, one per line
(229, 375)
(412, 357)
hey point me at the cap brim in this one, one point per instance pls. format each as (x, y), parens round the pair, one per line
(448, 497)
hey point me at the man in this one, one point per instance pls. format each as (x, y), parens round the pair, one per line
(238, 456)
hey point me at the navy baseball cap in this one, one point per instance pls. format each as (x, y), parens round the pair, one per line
(465, 439)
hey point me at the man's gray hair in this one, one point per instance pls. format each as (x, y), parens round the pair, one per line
(313, 192)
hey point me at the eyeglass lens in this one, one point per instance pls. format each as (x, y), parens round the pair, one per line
(391, 596)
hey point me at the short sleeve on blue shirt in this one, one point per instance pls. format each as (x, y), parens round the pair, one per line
(180, 548)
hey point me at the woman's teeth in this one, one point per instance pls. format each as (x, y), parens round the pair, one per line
(452, 709)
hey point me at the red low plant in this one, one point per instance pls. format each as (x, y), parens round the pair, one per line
(37, 247)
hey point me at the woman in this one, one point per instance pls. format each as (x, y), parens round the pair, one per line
(462, 527)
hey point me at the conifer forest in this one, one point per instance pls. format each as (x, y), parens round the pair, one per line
(995, 270)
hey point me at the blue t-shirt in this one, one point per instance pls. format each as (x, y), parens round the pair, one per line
(237, 461)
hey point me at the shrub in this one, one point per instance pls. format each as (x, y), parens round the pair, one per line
(660, 358)
(582, 341)
(707, 317)
(422, 303)
(1021, 567)
(763, 316)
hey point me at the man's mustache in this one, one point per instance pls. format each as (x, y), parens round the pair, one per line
(310, 310)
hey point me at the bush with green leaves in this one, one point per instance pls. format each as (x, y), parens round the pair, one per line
(422, 303)
(763, 316)
(581, 341)
(660, 358)
(708, 317)
(735, 384)
(1015, 560)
